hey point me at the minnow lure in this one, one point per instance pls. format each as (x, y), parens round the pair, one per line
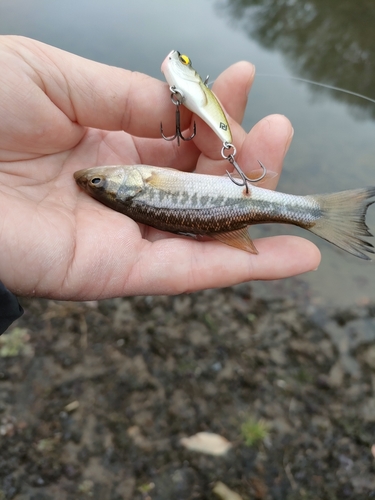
(195, 94)
(188, 88)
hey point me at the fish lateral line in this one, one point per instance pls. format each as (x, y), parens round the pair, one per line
(220, 210)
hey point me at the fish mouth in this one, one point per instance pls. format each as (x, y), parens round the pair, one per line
(81, 177)
(170, 56)
(79, 174)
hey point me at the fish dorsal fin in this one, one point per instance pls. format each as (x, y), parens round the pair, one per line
(238, 239)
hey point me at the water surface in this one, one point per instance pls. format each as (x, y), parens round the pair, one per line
(333, 147)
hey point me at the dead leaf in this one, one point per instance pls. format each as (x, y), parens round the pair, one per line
(225, 493)
(207, 442)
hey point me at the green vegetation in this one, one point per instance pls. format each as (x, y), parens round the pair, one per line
(254, 431)
(146, 488)
(15, 343)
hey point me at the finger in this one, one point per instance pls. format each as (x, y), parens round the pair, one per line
(100, 96)
(168, 154)
(110, 98)
(29, 124)
(199, 265)
(268, 141)
(232, 88)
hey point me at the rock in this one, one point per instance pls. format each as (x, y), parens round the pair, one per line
(368, 410)
(277, 355)
(369, 356)
(139, 440)
(336, 375)
(303, 347)
(180, 405)
(182, 305)
(353, 334)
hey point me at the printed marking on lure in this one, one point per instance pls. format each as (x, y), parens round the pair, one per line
(197, 97)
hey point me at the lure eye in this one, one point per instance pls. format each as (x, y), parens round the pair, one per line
(96, 181)
(185, 60)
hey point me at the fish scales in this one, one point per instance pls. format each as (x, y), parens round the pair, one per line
(181, 202)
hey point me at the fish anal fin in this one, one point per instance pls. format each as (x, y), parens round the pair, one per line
(238, 239)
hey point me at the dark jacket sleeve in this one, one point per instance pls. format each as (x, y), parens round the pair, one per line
(10, 309)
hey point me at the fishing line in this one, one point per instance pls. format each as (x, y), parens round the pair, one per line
(318, 84)
(311, 82)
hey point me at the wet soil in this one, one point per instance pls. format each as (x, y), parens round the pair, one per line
(95, 398)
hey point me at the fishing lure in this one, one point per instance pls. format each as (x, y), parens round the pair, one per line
(188, 88)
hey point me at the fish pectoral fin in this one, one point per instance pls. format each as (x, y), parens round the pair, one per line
(157, 181)
(238, 239)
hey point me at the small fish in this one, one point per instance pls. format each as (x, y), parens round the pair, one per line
(197, 204)
(195, 94)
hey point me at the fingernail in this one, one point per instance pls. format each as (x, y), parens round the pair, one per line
(289, 140)
(250, 80)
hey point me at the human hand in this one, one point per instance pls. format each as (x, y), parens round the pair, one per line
(60, 113)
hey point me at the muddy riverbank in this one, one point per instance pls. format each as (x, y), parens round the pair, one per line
(95, 398)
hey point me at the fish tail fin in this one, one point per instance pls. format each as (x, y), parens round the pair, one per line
(342, 220)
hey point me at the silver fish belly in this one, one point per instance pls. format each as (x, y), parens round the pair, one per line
(181, 202)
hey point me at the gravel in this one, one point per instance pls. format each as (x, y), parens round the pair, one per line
(97, 396)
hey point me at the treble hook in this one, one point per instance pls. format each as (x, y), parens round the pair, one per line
(244, 179)
(177, 101)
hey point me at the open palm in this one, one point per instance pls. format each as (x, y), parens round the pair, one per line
(60, 113)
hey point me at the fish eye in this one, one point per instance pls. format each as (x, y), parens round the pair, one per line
(184, 59)
(96, 181)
